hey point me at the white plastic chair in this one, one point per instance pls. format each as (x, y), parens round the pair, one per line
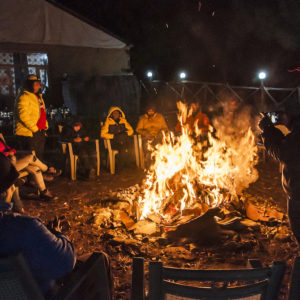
(141, 152)
(74, 158)
(111, 156)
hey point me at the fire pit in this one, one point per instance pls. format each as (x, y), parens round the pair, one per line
(194, 188)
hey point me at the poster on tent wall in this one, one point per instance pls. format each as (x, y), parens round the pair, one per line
(92, 97)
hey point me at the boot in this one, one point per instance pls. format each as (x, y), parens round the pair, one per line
(46, 195)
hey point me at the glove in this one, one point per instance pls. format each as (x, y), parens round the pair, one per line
(265, 123)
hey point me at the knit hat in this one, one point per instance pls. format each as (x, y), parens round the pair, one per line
(33, 77)
(151, 105)
(8, 174)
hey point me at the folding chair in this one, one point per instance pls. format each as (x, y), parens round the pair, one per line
(258, 283)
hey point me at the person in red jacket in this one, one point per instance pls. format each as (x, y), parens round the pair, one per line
(197, 121)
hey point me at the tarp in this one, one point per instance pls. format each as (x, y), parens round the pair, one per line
(40, 22)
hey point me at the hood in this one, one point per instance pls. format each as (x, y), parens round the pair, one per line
(113, 108)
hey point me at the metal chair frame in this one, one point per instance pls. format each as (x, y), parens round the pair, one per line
(264, 281)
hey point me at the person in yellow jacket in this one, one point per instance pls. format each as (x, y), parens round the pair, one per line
(150, 127)
(152, 123)
(30, 120)
(118, 131)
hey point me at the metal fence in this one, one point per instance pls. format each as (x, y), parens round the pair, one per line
(211, 93)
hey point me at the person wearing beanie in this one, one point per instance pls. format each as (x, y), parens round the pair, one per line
(286, 149)
(152, 123)
(30, 120)
(151, 126)
(77, 135)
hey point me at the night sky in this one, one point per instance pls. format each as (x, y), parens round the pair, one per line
(213, 40)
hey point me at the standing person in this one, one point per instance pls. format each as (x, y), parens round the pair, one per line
(286, 149)
(30, 120)
(82, 147)
(118, 130)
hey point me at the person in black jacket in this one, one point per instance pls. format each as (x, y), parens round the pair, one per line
(82, 147)
(286, 149)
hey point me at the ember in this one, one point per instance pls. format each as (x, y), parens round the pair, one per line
(190, 171)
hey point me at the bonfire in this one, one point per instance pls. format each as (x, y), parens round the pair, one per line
(206, 169)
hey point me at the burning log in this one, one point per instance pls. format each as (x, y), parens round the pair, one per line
(202, 229)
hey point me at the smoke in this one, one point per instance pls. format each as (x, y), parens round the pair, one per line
(235, 128)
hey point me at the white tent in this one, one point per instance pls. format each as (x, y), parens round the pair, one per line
(40, 22)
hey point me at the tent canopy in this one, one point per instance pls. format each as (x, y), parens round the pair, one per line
(40, 22)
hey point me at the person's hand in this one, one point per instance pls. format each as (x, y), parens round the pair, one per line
(77, 140)
(264, 123)
(86, 139)
(54, 225)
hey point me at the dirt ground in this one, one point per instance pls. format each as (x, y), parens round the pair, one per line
(79, 200)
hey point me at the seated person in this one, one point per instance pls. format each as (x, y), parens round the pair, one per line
(8, 176)
(118, 130)
(82, 147)
(195, 120)
(32, 165)
(152, 123)
(49, 254)
(150, 127)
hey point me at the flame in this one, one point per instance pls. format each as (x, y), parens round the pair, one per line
(188, 170)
